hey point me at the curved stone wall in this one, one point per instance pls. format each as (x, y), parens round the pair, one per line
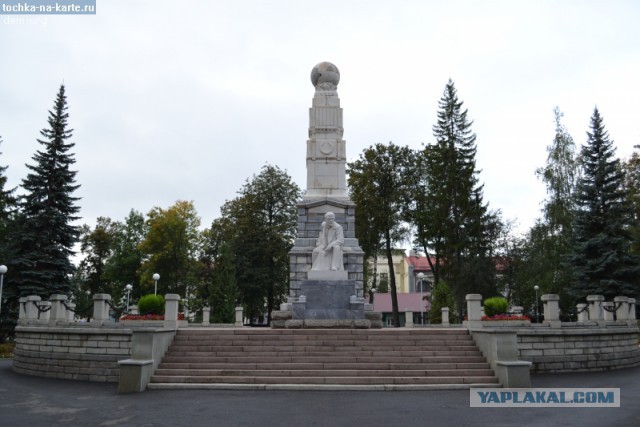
(71, 352)
(579, 349)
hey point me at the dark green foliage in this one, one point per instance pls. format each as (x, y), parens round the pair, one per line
(495, 305)
(441, 297)
(44, 230)
(542, 258)
(9, 303)
(259, 226)
(123, 265)
(601, 258)
(223, 287)
(97, 246)
(453, 224)
(151, 304)
(632, 194)
(381, 185)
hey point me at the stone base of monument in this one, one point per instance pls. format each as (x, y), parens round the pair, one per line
(327, 304)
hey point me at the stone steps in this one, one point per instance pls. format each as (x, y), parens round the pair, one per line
(396, 357)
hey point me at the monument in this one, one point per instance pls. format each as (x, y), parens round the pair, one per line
(326, 262)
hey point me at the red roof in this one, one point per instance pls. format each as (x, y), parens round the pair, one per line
(406, 302)
(420, 263)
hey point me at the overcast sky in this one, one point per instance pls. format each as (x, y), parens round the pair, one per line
(185, 100)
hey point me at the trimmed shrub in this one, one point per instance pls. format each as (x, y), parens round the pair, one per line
(495, 305)
(151, 304)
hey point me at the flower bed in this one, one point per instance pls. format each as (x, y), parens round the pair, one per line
(506, 320)
(148, 316)
(507, 317)
(149, 320)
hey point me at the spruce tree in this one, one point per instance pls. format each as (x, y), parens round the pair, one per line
(46, 234)
(453, 222)
(602, 262)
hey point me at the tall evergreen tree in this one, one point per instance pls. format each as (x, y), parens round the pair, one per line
(632, 194)
(454, 225)
(8, 300)
(602, 262)
(45, 232)
(7, 209)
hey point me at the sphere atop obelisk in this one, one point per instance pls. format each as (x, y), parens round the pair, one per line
(325, 72)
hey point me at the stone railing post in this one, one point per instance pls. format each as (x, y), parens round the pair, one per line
(71, 315)
(171, 308)
(206, 315)
(608, 315)
(22, 313)
(551, 310)
(239, 316)
(622, 313)
(631, 319)
(408, 319)
(445, 316)
(595, 307)
(583, 314)
(100, 308)
(31, 308)
(45, 311)
(58, 310)
(474, 310)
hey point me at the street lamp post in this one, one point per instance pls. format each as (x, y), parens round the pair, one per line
(3, 271)
(156, 277)
(421, 277)
(535, 288)
(128, 288)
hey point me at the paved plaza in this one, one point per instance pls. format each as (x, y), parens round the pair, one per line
(32, 401)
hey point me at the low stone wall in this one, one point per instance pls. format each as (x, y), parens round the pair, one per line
(76, 353)
(574, 348)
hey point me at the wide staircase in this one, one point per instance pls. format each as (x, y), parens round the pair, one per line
(386, 359)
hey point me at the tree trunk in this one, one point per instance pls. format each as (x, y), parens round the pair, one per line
(392, 281)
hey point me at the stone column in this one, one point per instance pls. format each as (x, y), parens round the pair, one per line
(408, 319)
(31, 308)
(595, 307)
(22, 313)
(622, 313)
(583, 314)
(100, 308)
(45, 311)
(206, 315)
(551, 310)
(71, 315)
(608, 315)
(239, 317)
(445, 316)
(58, 310)
(631, 320)
(171, 307)
(474, 310)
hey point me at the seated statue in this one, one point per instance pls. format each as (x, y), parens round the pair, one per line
(327, 254)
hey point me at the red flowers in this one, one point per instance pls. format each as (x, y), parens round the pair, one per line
(148, 316)
(506, 317)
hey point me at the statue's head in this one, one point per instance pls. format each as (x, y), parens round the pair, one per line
(330, 218)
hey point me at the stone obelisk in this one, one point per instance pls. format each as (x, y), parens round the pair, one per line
(325, 298)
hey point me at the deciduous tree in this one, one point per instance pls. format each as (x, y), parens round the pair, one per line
(380, 184)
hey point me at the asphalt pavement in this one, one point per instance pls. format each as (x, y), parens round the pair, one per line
(32, 401)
